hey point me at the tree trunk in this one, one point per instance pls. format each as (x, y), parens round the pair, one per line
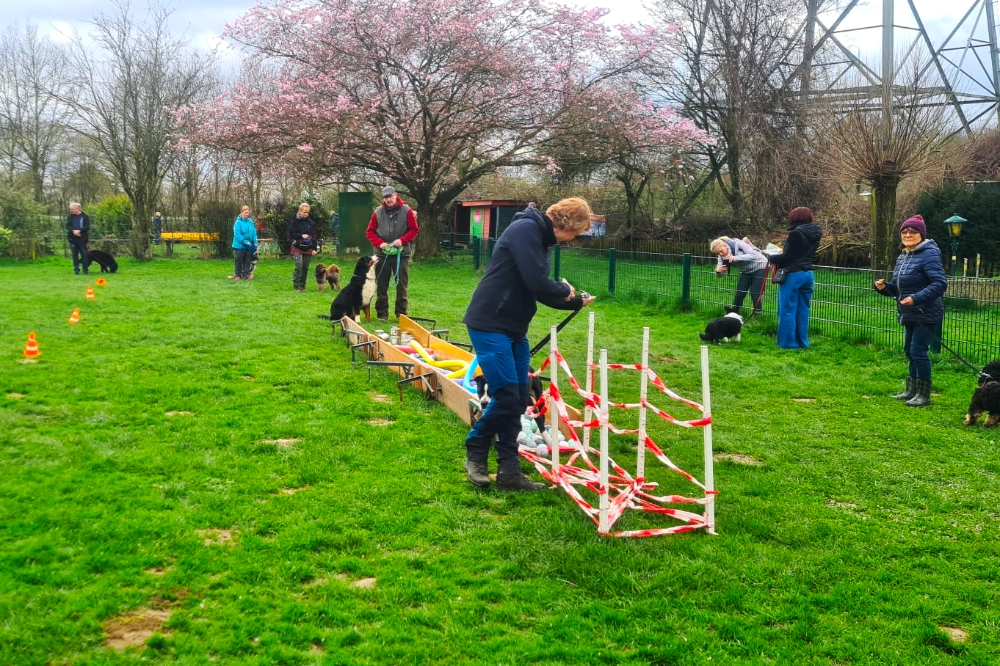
(883, 249)
(428, 218)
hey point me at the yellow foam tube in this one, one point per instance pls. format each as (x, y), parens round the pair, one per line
(458, 367)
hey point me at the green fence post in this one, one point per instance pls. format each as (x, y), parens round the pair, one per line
(611, 271)
(686, 279)
(476, 250)
(555, 263)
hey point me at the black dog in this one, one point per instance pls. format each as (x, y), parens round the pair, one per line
(724, 328)
(535, 389)
(986, 397)
(356, 297)
(106, 261)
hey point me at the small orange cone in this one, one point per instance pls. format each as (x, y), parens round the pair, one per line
(90, 293)
(101, 282)
(75, 317)
(31, 348)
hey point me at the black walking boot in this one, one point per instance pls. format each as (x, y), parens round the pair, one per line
(510, 476)
(516, 481)
(911, 389)
(922, 394)
(477, 456)
(478, 473)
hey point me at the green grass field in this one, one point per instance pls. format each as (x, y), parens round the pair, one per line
(197, 469)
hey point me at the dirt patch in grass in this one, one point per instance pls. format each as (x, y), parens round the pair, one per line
(158, 571)
(803, 399)
(665, 359)
(955, 634)
(379, 397)
(364, 583)
(134, 629)
(217, 537)
(16, 396)
(283, 443)
(179, 413)
(738, 458)
(315, 649)
(249, 378)
(292, 491)
(380, 423)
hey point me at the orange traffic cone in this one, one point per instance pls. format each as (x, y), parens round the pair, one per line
(75, 317)
(101, 282)
(90, 293)
(31, 348)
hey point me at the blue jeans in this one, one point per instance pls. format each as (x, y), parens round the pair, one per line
(504, 362)
(794, 295)
(915, 346)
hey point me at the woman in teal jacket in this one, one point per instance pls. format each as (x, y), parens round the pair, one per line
(244, 243)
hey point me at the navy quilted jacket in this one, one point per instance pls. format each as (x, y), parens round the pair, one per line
(920, 274)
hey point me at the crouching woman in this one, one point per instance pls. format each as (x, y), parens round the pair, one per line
(918, 284)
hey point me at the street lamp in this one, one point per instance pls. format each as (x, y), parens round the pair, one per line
(954, 230)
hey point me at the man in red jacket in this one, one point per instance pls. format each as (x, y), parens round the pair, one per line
(391, 231)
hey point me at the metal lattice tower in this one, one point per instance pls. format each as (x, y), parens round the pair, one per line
(961, 64)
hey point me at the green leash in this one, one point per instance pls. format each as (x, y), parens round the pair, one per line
(390, 251)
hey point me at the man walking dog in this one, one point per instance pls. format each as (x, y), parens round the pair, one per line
(78, 234)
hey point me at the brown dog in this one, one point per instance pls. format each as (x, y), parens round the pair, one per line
(333, 277)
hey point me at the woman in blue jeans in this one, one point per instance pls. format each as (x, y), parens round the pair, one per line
(795, 291)
(502, 307)
(918, 284)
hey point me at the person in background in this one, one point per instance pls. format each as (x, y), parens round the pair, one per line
(244, 244)
(78, 235)
(157, 227)
(302, 232)
(498, 316)
(391, 231)
(918, 284)
(796, 289)
(751, 264)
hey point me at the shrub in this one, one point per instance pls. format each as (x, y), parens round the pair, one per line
(217, 217)
(22, 216)
(111, 218)
(5, 238)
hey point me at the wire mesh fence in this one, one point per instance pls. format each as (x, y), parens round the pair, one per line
(844, 305)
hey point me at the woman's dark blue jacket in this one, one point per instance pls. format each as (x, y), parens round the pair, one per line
(517, 278)
(920, 274)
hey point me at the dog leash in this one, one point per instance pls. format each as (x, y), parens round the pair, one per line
(389, 251)
(548, 336)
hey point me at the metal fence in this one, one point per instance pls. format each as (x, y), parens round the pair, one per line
(845, 304)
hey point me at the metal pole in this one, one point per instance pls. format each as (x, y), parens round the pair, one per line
(954, 256)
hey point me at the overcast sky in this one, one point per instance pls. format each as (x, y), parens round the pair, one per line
(204, 20)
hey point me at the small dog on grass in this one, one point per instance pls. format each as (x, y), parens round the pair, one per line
(986, 397)
(104, 260)
(356, 297)
(327, 275)
(724, 329)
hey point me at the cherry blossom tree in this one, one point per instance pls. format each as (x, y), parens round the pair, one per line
(618, 133)
(430, 95)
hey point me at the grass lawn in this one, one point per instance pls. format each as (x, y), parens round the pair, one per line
(197, 468)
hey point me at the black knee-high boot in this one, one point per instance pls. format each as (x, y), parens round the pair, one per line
(911, 389)
(922, 394)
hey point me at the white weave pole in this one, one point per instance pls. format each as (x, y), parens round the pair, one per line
(706, 401)
(553, 408)
(588, 413)
(603, 526)
(640, 463)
